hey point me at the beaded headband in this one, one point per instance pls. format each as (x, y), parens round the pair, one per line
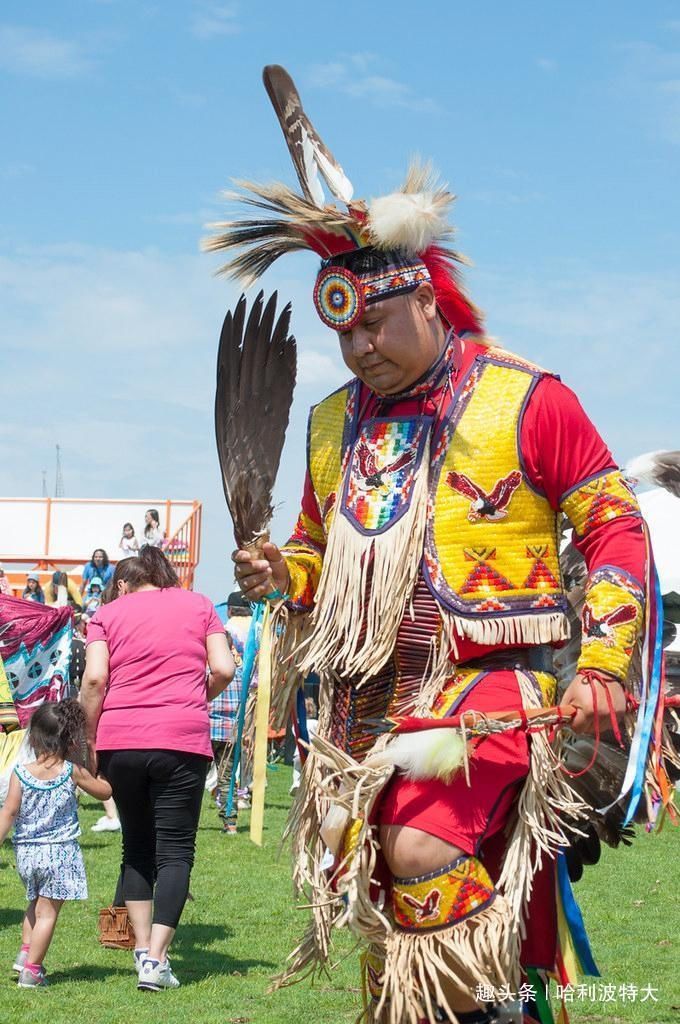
(341, 295)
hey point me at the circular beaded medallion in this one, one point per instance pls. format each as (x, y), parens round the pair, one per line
(339, 298)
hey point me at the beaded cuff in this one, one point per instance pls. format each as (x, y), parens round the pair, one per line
(304, 557)
(612, 619)
(596, 501)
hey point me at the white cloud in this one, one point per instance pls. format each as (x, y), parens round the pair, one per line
(322, 369)
(40, 54)
(547, 64)
(212, 20)
(613, 338)
(16, 169)
(359, 75)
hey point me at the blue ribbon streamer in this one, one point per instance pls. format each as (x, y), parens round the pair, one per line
(301, 712)
(574, 919)
(249, 659)
(652, 699)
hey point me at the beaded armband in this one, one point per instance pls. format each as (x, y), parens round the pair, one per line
(597, 501)
(304, 557)
(612, 619)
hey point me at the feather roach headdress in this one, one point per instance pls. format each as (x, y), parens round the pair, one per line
(406, 234)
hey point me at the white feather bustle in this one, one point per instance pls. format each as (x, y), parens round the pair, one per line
(429, 754)
(411, 221)
(643, 467)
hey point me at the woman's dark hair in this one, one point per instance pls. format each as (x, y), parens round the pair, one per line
(59, 579)
(105, 563)
(58, 730)
(151, 567)
(153, 512)
(38, 588)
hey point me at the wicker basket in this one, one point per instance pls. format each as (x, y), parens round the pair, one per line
(115, 930)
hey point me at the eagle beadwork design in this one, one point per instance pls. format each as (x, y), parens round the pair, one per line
(492, 506)
(428, 909)
(370, 474)
(602, 629)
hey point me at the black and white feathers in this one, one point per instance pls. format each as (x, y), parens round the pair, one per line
(662, 469)
(256, 368)
(310, 155)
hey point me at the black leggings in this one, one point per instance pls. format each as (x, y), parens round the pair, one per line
(158, 795)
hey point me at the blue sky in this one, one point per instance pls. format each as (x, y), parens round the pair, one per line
(558, 126)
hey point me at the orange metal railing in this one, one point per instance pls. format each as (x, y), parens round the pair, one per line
(183, 547)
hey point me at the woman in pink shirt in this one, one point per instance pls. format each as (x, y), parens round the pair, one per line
(145, 696)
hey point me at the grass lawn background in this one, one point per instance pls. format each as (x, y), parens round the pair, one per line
(242, 924)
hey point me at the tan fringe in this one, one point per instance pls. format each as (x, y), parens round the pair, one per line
(289, 631)
(513, 629)
(419, 963)
(540, 829)
(331, 778)
(365, 586)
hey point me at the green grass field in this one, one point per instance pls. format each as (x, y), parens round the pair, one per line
(242, 924)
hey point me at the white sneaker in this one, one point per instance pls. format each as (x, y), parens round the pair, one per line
(139, 955)
(22, 957)
(154, 976)
(105, 824)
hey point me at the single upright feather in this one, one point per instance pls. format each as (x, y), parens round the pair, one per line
(309, 153)
(256, 367)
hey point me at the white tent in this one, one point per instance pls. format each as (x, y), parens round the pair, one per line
(662, 512)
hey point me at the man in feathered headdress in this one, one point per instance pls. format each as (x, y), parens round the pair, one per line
(423, 579)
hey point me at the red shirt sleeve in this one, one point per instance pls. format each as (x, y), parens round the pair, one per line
(561, 449)
(309, 504)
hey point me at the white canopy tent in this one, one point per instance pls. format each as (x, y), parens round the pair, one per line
(662, 513)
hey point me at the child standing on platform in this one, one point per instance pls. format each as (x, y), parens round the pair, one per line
(41, 804)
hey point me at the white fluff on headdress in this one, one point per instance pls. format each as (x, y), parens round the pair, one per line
(413, 218)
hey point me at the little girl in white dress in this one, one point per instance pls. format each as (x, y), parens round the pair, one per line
(41, 804)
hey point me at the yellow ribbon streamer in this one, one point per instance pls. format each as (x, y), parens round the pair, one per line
(264, 686)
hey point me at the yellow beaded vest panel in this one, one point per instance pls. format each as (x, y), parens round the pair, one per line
(491, 548)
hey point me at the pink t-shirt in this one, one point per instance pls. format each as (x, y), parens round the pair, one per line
(156, 695)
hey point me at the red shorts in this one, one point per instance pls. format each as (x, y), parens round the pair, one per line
(474, 816)
(460, 814)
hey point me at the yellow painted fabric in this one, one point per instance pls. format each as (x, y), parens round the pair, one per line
(501, 560)
(598, 501)
(264, 679)
(442, 900)
(611, 620)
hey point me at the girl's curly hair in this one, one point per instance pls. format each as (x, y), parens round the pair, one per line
(57, 729)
